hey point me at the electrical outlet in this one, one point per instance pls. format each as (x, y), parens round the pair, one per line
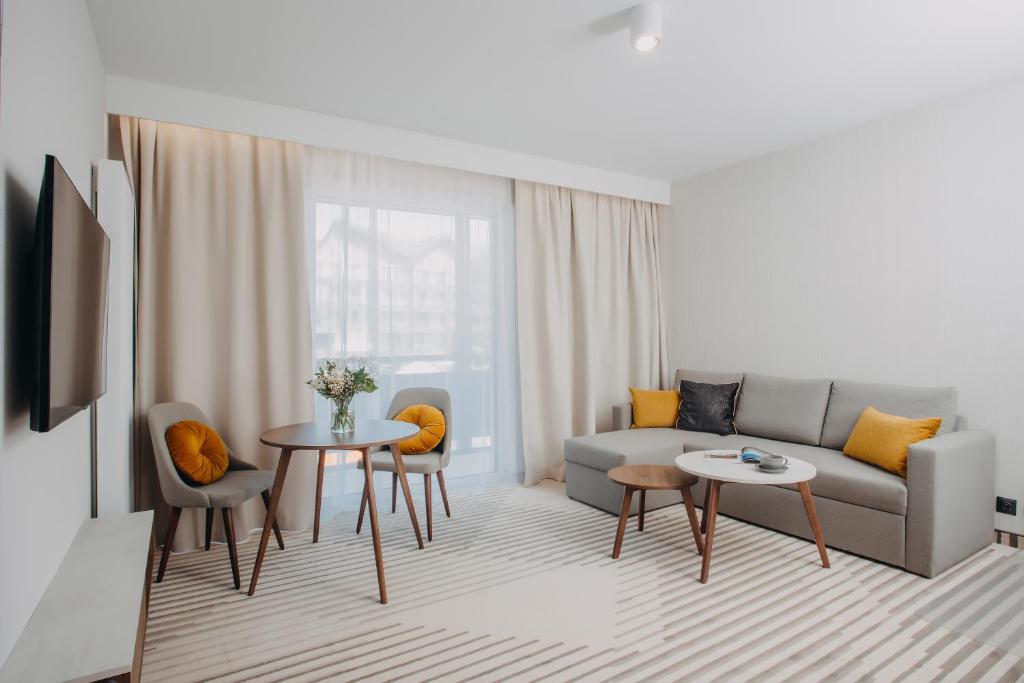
(1007, 506)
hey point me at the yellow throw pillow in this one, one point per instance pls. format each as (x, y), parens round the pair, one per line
(883, 440)
(198, 451)
(654, 408)
(430, 420)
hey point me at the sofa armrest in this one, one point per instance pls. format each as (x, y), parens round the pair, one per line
(622, 416)
(950, 498)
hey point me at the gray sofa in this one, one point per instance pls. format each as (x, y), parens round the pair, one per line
(940, 514)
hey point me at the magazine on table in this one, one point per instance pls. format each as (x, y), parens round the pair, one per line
(751, 454)
(746, 454)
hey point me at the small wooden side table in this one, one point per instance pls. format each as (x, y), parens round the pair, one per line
(314, 436)
(644, 478)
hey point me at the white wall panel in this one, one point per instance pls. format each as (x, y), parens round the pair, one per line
(891, 253)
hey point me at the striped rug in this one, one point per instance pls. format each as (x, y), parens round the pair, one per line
(519, 586)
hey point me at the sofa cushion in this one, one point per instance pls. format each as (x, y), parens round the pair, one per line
(654, 408)
(883, 440)
(707, 407)
(655, 446)
(849, 399)
(839, 477)
(782, 408)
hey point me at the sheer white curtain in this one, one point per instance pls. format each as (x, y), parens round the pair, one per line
(415, 266)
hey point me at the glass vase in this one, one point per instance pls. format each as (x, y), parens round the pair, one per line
(343, 419)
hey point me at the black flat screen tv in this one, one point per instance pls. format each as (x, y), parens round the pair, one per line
(70, 273)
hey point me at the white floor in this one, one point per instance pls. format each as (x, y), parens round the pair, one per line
(519, 585)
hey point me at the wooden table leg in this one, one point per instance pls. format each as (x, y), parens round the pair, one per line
(691, 513)
(704, 508)
(711, 507)
(319, 495)
(627, 500)
(812, 517)
(371, 501)
(265, 495)
(643, 503)
(268, 523)
(396, 454)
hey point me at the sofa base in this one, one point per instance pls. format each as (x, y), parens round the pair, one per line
(859, 530)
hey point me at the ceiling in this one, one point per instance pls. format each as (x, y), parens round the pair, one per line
(558, 78)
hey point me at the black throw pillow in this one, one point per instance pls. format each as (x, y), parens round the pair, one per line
(707, 407)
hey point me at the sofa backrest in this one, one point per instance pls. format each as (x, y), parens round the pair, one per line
(782, 408)
(849, 399)
(705, 377)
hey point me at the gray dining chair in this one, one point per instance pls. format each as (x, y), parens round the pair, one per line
(241, 482)
(427, 464)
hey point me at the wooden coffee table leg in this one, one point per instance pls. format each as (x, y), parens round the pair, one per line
(268, 523)
(371, 501)
(627, 500)
(812, 517)
(319, 495)
(711, 507)
(691, 513)
(643, 502)
(396, 454)
(704, 508)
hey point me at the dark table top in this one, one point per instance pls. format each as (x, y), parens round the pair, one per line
(318, 435)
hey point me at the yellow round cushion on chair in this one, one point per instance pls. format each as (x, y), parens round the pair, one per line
(430, 420)
(198, 451)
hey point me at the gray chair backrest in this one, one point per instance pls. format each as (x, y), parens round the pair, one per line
(431, 396)
(176, 491)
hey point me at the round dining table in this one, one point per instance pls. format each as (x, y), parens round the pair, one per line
(316, 436)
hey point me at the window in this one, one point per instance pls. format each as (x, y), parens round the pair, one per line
(416, 284)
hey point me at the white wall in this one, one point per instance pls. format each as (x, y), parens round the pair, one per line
(51, 101)
(891, 252)
(115, 210)
(204, 110)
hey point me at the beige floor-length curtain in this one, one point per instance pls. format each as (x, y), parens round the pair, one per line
(590, 314)
(222, 317)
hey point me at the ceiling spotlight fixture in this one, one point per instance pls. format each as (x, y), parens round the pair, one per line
(645, 26)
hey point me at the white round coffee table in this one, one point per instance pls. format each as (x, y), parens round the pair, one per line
(729, 470)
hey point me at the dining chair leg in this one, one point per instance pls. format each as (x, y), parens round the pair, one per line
(277, 530)
(430, 510)
(394, 492)
(444, 493)
(172, 526)
(209, 527)
(362, 509)
(627, 500)
(229, 533)
(643, 503)
(319, 495)
(691, 513)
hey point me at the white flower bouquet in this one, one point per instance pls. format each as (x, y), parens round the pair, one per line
(339, 382)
